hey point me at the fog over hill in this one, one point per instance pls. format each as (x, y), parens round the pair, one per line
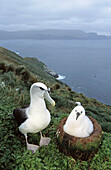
(51, 34)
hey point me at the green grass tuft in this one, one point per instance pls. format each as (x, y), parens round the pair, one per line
(15, 93)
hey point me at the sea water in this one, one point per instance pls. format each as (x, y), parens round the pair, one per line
(85, 65)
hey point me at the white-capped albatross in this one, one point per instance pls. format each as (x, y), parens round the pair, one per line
(77, 123)
(35, 117)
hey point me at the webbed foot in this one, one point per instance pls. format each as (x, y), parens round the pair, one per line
(44, 140)
(32, 147)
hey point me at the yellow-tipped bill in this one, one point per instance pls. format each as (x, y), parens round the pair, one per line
(48, 98)
(54, 103)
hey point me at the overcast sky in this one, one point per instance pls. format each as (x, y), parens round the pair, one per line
(87, 15)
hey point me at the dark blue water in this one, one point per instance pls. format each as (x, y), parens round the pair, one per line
(86, 64)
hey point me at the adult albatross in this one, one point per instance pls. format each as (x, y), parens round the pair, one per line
(35, 117)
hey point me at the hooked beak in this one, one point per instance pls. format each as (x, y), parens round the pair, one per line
(77, 115)
(48, 98)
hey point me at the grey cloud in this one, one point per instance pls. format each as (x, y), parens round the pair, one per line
(88, 15)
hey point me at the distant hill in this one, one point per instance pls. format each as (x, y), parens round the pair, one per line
(51, 34)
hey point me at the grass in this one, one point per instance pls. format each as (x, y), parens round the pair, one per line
(31, 64)
(13, 153)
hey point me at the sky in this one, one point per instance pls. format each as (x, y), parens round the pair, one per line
(86, 15)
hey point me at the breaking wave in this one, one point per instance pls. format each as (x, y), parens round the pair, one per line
(61, 77)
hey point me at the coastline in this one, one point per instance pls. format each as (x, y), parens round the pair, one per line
(52, 73)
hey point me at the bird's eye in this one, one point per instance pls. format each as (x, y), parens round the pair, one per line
(41, 88)
(81, 111)
(75, 110)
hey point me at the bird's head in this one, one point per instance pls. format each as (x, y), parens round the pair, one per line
(40, 90)
(79, 110)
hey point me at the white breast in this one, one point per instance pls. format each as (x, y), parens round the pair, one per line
(35, 123)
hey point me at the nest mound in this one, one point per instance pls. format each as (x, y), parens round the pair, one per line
(79, 148)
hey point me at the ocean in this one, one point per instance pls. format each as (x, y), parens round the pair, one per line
(85, 65)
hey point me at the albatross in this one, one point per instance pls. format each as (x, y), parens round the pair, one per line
(35, 117)
(77, 123)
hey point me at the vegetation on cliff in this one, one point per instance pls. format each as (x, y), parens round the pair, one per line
(16, 76)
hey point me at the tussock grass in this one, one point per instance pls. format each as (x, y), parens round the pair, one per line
(15, 93)
(12, 143)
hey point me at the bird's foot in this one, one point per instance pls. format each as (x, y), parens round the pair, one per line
(44, 140)
(32, 147)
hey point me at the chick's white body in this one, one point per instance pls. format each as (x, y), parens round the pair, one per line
(78, 127)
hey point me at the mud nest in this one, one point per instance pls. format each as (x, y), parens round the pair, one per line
(79, 148)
